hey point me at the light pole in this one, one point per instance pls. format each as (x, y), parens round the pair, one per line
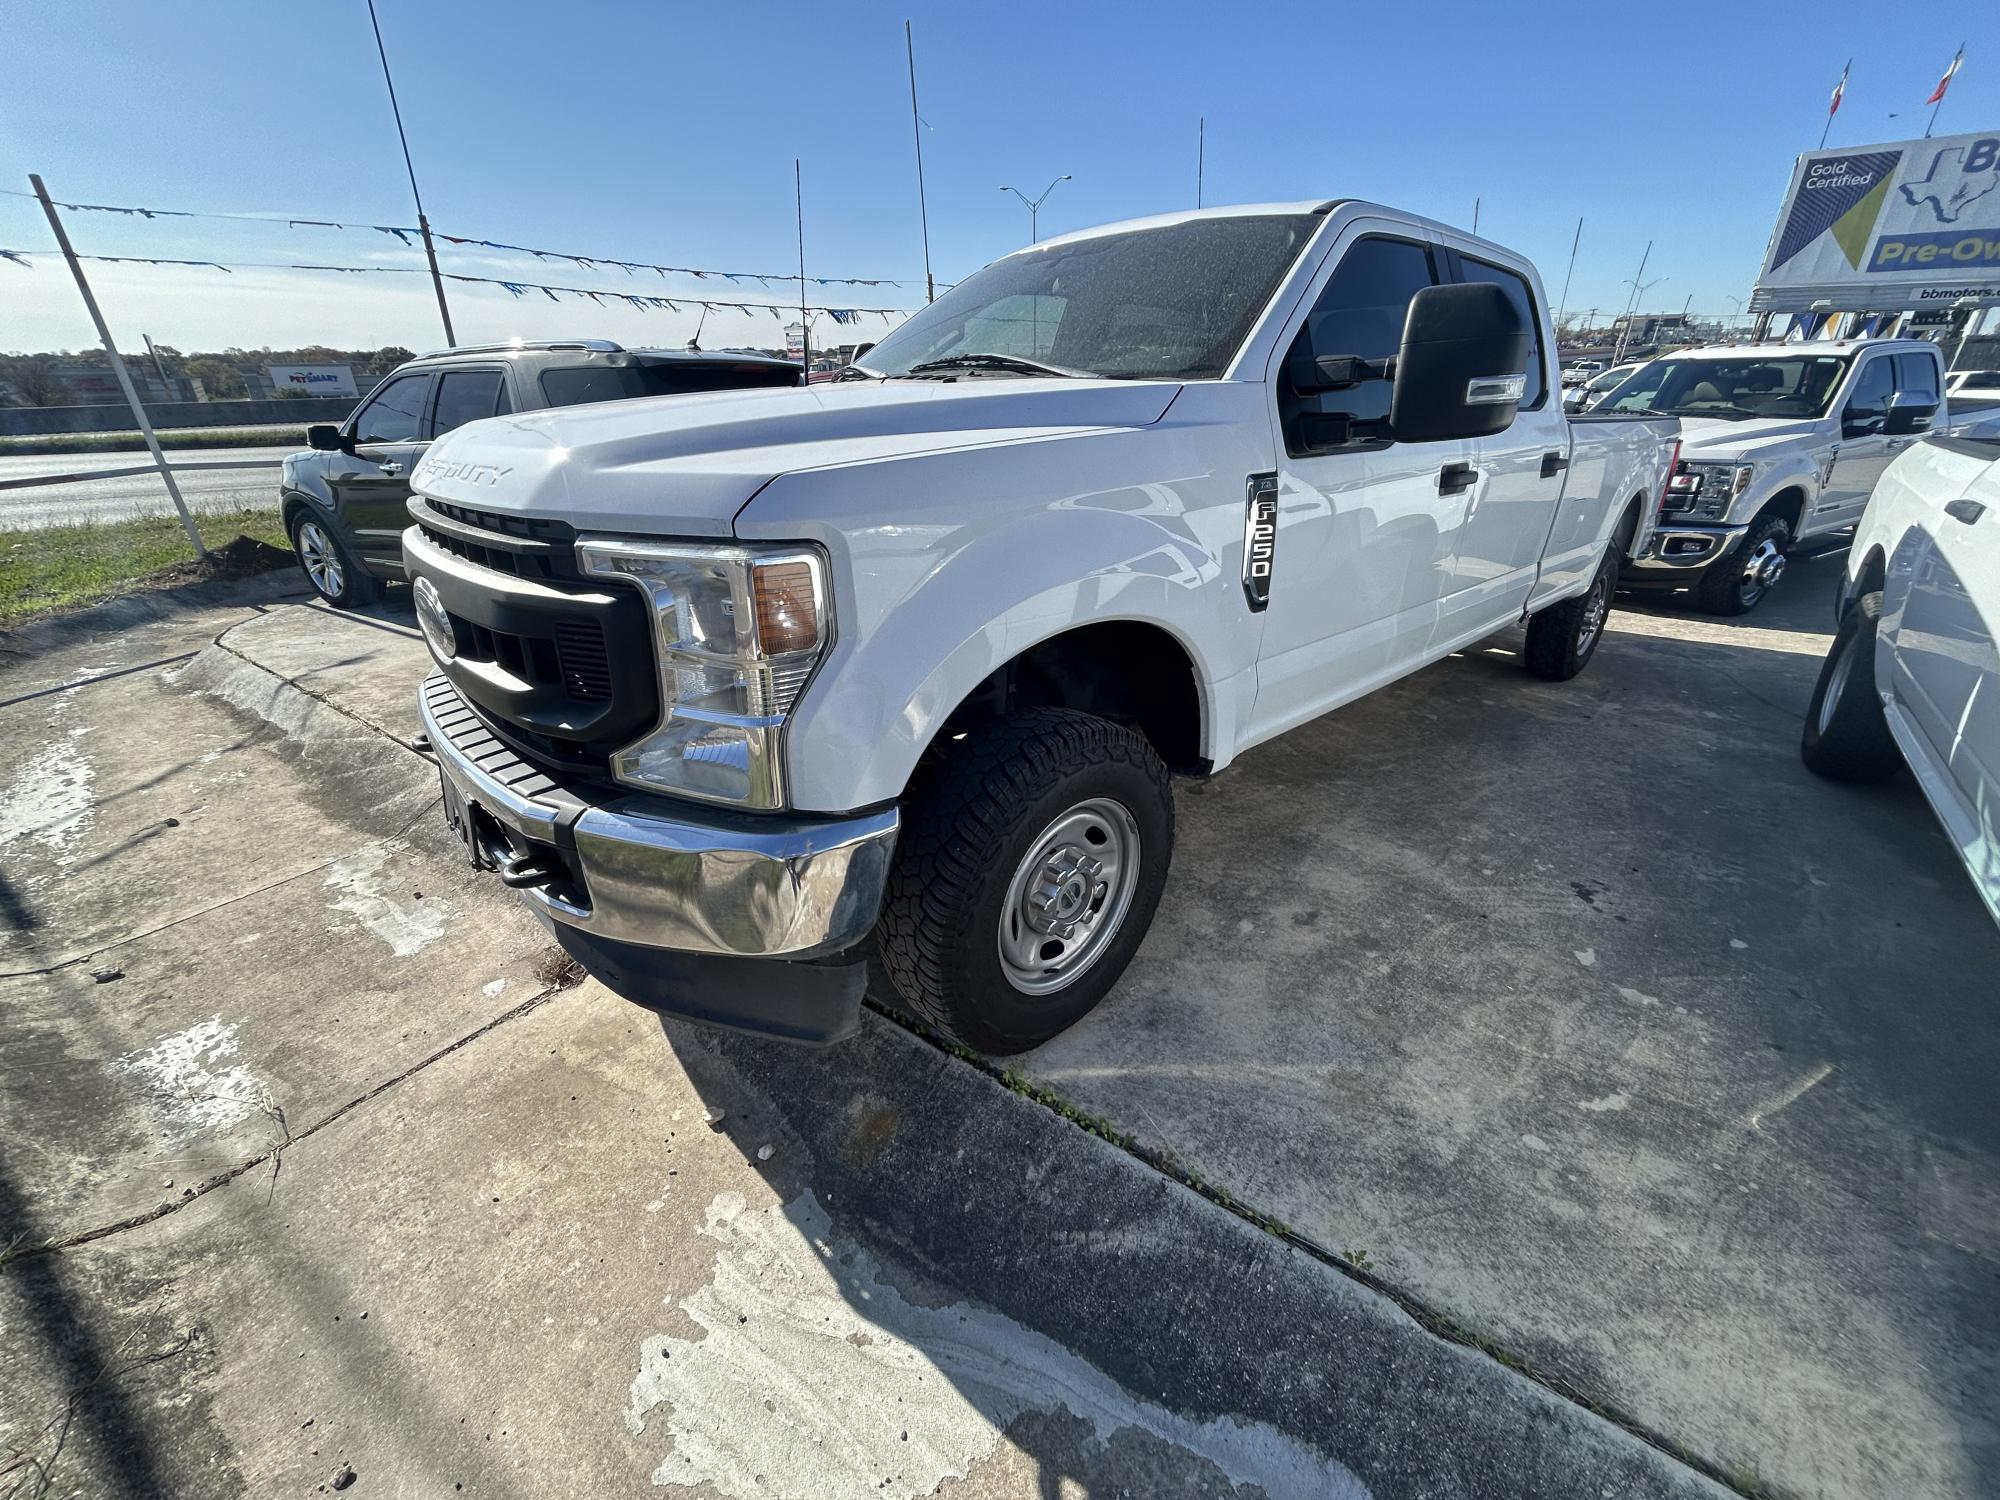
(1034, 206)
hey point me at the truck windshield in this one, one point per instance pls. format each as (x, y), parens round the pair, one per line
(1172, 303)
(1736, 390)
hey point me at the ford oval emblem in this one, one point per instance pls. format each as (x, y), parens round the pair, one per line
(435, 620)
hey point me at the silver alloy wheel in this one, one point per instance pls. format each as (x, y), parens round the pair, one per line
(1596, 605)
(1836, 685)
(1069, 896)
(321, 559)
(1761, 570)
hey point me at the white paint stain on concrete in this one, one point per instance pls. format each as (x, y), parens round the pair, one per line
(50, 800)
(1587, 957)
(492, 988)
(192, 1083)
(1738, 943)
(1637, 997)
(1610, 1103)
(1534, 1143)
(794, 1389)
(379, 904)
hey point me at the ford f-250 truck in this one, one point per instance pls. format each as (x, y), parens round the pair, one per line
(1779, 442)
(742, 688)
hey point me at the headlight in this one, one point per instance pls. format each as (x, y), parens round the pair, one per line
(1706, 489)
(737, 631)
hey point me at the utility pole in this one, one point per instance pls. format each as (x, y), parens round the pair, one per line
(423, 224)
(1200, 156)
(805, 328)
(917, 129)
(1034, 206)
(1639, 287)
(118, 368)
(1575, 240)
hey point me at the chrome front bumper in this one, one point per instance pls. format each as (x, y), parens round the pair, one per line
(1678, 548)
(645, 871)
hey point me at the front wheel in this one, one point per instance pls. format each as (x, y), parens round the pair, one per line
(1847, 735)
(332, 571)
(1032, 857)
(1737, 584)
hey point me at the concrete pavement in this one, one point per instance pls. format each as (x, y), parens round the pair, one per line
(319, 1173)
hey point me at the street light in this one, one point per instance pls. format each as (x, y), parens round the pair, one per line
(1034, 206)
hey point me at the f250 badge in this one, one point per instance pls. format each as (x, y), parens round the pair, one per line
(1260, 538)
(438, 468)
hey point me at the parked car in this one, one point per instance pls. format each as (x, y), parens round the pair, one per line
(1583, 370)
(739, 691)
(1583, 397)
(1913, 676)
(1981, 384)
(1780, 442)
(342, 500)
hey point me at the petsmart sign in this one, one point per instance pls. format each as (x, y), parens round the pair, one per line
(314, 380)
(1911, 224)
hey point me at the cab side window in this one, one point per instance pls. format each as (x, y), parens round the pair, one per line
(1517, 292)
(1359, 314)
(466, 396)
(396, 412)
(1868, 406)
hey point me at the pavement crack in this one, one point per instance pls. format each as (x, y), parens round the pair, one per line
(318, 697)
(94, 678)
(22, 1249)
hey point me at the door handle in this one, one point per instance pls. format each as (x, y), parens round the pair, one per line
(391, 468)
(1553, 464)
(1453, 478)
(1967, 511)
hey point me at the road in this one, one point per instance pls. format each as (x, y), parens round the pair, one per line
(122, 494)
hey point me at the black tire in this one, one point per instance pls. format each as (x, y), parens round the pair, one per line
(973, 819)
(1563, 638)
(344, 584)
(1729, 586)
(1846, 735)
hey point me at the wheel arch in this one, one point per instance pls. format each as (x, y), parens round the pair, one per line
(1130, 671)
(1789, 504)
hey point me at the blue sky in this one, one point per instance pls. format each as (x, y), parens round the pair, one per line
(660, 132)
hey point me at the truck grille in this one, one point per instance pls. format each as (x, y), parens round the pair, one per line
(546, 554)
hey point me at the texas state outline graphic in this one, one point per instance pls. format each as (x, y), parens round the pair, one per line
(1946, 208)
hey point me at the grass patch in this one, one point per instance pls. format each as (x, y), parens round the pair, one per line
(60, 567)
(291, 434)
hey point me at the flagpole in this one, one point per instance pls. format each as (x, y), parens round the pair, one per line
(917, 129)
(1839, 93)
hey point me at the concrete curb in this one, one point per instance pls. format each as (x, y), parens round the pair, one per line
(145, 605)
(1174, 1296)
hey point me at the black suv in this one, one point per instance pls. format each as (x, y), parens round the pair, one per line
(343, 502)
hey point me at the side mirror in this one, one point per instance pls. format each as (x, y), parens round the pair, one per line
(1908, 413)
(1462, 366)
(323, 437)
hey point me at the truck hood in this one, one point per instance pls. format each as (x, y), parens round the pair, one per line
(685, 465)
(1713, 439)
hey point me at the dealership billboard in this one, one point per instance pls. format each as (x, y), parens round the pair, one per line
(314, 380)
(1910, 224)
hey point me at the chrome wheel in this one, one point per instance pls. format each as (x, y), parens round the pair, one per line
(1761, 570)
(1596, 606)
(1069, 896)
(321, 560)
(1836, 685)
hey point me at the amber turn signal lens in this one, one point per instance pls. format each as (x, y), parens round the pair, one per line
(787, 611)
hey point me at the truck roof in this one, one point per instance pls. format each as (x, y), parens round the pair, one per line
(1187, 216)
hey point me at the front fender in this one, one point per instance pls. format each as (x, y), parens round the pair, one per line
(1794, 471)
(926, 608)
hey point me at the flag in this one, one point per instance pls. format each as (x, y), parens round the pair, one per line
(1937, 94)
(1833, 108)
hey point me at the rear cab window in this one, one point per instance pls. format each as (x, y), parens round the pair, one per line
(576, 385)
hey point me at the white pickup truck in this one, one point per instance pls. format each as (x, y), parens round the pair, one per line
(1914, 672)
(743, 688)
(1779, 443)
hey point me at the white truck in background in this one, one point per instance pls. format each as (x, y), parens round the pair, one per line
(1779, 443)
(739, 689)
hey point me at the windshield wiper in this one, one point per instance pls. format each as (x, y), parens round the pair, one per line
(855, 372)
(1710, 411)
(991, 362)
